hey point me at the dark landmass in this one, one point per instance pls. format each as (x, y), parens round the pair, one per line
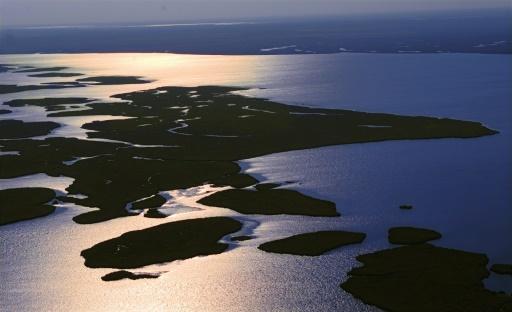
(163, 243)
(406, 207)
(193, 136)
(122, 274)
(424, 278)
(122, 179)
(238, 180)
(154, 213)
(266, 186)
(50, 75)
(83, 82)
(17, 129)
(271, 202)
(113, 80)
(24, 204)
(313, 244)
(502, 268)
(41, 69)
(4, 89)
(5, 111)
(216, 131)
(55, 151)
(50, 104)
(67, 84)
(151, 204)
(241, 238)
(155, 201)
(410, 235)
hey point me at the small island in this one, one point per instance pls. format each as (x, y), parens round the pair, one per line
(123, 274)
(17, 129)
(406, 235)
(162, 243)
(313, 244)
(271, 202)
(24, 204)
(424, 278)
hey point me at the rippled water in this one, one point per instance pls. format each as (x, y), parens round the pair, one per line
(459, 187)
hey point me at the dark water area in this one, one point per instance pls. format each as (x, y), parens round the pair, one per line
(483, 31)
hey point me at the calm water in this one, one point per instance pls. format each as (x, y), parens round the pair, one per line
(420, 32)
(458, 187)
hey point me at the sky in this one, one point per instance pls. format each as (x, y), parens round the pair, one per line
(90, 12)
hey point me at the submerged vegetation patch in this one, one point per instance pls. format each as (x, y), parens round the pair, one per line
(313, 244)
(25, 203)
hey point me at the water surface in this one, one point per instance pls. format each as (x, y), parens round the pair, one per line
(458, 187)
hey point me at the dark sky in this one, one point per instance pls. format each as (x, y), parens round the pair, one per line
(74, 12)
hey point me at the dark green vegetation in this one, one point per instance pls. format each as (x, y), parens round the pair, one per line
(122, 274)
(82, 82)
(24, 204)
(271, 202)
(502, 268)
(113, 80)
(151, 204)
(410, 235)
(50, 104)
(313, 244)
(235, 180)
(154, 213)
(17, 129)
(154, 201)
(406, 207)
(17, 88)
(195, 135)
(207, 127)
(241, 238)
(55, 151)
(266, 186)
(50, 75)
(425, 278)
(30, 69)
(163, 243)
